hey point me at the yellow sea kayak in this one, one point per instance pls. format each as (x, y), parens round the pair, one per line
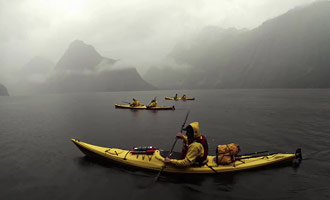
(143, 107)
(155, 161)
(177, 99)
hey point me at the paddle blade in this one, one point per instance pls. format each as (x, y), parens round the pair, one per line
(298, 158)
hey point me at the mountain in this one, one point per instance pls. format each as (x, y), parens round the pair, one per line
(80, 56)
(166, 77)
(123, 80)
(83, 69)
(289, 51)
(31, 76)
(3, 90)
(38, 65)
(36, 70)
(109, 80)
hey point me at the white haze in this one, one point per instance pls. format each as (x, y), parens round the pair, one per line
(140, 33)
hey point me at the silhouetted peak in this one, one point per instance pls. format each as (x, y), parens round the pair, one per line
(79, 56)
(78, 44)
(3, 90)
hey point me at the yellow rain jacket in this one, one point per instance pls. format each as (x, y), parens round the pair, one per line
(195, 149)
(135, 102)
(154, 103)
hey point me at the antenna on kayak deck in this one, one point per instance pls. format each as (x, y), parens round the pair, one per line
(170, 153)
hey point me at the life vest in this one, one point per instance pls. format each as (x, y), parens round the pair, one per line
(135, 103)
(200, 160)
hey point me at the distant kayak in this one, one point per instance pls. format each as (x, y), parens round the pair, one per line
(143, 107)
(152, 159)
(178, 99)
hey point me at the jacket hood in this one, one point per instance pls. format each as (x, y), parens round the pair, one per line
(195, 127)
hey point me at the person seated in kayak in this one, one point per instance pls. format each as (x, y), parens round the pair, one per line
(184, 97)
(176, 96)
(153, 103)
(135, 102)
(195, 148)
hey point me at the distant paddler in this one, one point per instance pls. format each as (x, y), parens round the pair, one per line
(135, 103)
(184, 97)
(153, 103)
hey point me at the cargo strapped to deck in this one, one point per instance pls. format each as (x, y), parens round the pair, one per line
(226, 154)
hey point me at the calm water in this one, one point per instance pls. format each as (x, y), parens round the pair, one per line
(39, 161)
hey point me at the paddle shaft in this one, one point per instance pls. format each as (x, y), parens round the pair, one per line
(176, 139)
(169, 153)
(152, 100)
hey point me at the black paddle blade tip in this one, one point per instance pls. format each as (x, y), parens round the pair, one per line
(298, 158)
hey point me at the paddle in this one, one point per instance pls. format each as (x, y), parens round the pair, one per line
(170, 153)
(126, 102)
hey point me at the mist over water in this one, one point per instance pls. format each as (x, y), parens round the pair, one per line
(39, 161)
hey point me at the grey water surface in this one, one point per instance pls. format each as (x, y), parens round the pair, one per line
(39, 161)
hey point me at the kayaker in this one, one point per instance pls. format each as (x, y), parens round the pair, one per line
(184, 97)
(176, 96)
(195, 148)
(135, 102)
(153, 103)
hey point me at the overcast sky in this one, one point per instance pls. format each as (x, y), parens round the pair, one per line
(135, 31)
